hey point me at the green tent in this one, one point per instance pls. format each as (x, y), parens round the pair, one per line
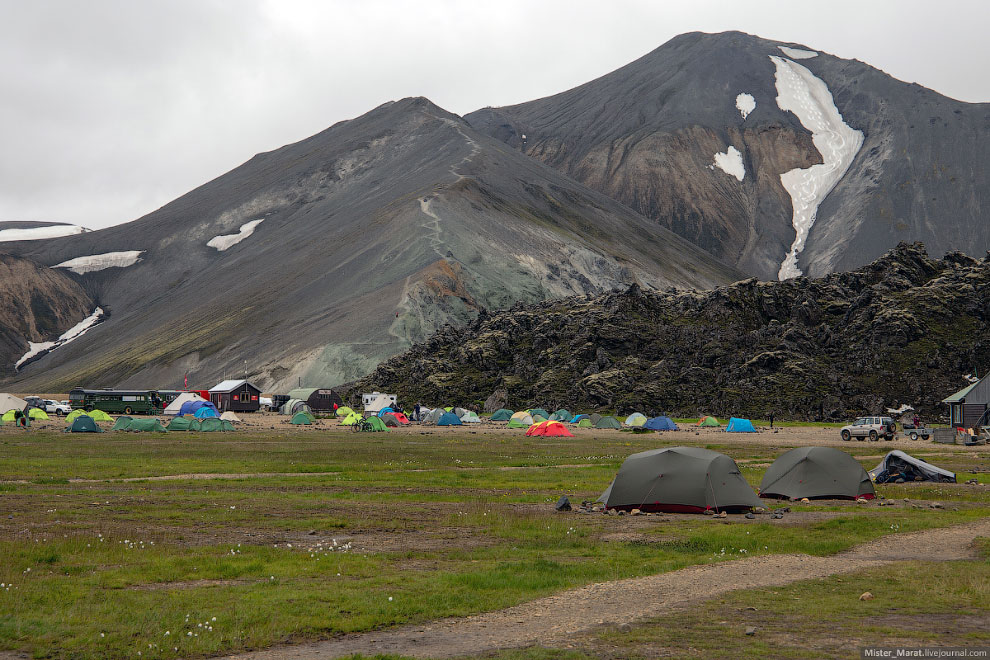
(816, 472)
(210, 424)
(538, 419)
(149, 425)
(377, 424)
(539, 411)
(608, 422)
(301, 418)
(594, 418)
(182, 424)
(37, 413)
(344, 411)
(708, 421)
(83, 424)
(122, 423)
(227, 425)
(562, 415)
(8, 417)
(97, 415)
(502, 415)
(516, 424)
(585, 424)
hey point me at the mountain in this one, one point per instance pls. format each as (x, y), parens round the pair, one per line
(905, 329)
(719, 137)
(317, 260)
(37, 305)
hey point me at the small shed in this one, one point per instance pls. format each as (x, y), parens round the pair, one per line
(236, 395)
(319, 399)
(968, 406)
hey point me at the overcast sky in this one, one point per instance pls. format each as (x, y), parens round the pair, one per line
(111, 109)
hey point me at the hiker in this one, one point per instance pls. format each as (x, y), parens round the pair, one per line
(771, 419)
(416, 412)
(916, 421)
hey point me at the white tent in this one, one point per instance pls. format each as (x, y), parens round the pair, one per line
(11, 402)
(230, 416)
(174, 407)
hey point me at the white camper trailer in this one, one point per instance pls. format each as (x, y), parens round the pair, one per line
(376, 401)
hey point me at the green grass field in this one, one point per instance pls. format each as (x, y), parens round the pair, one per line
(314, 534)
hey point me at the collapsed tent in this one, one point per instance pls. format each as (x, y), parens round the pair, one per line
(538, 411)
(679, 480)
(175, 407)
(183, 424)
(145, 425)
(738, 425)
(550, 428)
(608, 422)
(816, 472)
(449, 419)
(708, 420)
(83, 424)
(523, 417)
(635, 419)
(897, 465)
(502, 415)
(470, 417)
(561, 415)
(662, 423)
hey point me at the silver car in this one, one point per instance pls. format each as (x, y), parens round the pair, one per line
(873, 428)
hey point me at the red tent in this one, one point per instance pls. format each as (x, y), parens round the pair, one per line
(537, 429)
(400, 417)
(550, 429)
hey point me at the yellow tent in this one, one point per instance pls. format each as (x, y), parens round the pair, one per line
(523, 417)
(100, 416)
(8, 416)
(351, 419)
(636, 419)
(344, 411)
(37, 413)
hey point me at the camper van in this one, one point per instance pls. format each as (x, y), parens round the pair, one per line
(376, 401)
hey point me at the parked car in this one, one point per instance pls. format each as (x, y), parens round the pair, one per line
(57, 407)
(873, 428)
(35, 402)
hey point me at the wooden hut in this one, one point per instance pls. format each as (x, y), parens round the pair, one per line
(968, 406)
(236, 395)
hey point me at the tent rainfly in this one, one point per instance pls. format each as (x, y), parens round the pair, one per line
(897, 465)
(738, 425)
(816, 472)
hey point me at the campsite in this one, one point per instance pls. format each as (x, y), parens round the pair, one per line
(333, 542)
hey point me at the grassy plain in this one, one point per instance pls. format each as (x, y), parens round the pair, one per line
(117, 543)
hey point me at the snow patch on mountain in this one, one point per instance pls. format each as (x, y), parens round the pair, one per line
(900, 411)
(808, 97)
(797, 53)
(745, 104)
(94, 262)
(39, 233)
(225, 241)
(76, 331)
(731, 163)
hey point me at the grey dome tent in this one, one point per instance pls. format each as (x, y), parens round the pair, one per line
(816, 472)
(594, 418)
(434, 416)
(679, 480)
(898, 465)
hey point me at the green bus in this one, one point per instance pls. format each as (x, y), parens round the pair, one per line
(119, 402)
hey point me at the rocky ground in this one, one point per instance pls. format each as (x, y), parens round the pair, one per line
(903, 330)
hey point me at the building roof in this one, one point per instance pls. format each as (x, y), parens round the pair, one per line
(230, 385)
(960, 396)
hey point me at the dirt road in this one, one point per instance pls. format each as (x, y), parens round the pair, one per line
(553, 619)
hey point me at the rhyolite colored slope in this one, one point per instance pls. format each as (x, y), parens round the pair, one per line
(372, 234)
(902, 330)
(647, 135)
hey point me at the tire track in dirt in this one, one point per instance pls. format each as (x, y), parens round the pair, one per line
(555, 618)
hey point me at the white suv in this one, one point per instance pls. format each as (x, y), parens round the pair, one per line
(869, 427)
(57, 408)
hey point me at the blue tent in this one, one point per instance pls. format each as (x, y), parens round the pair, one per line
(449, 419)
(193, 408)
(662, 423)
(205, 410)
(578, 418)
(737, 425)
(386, 409)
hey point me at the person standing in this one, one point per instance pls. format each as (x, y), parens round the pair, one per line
(416, 412)
(771, 419)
